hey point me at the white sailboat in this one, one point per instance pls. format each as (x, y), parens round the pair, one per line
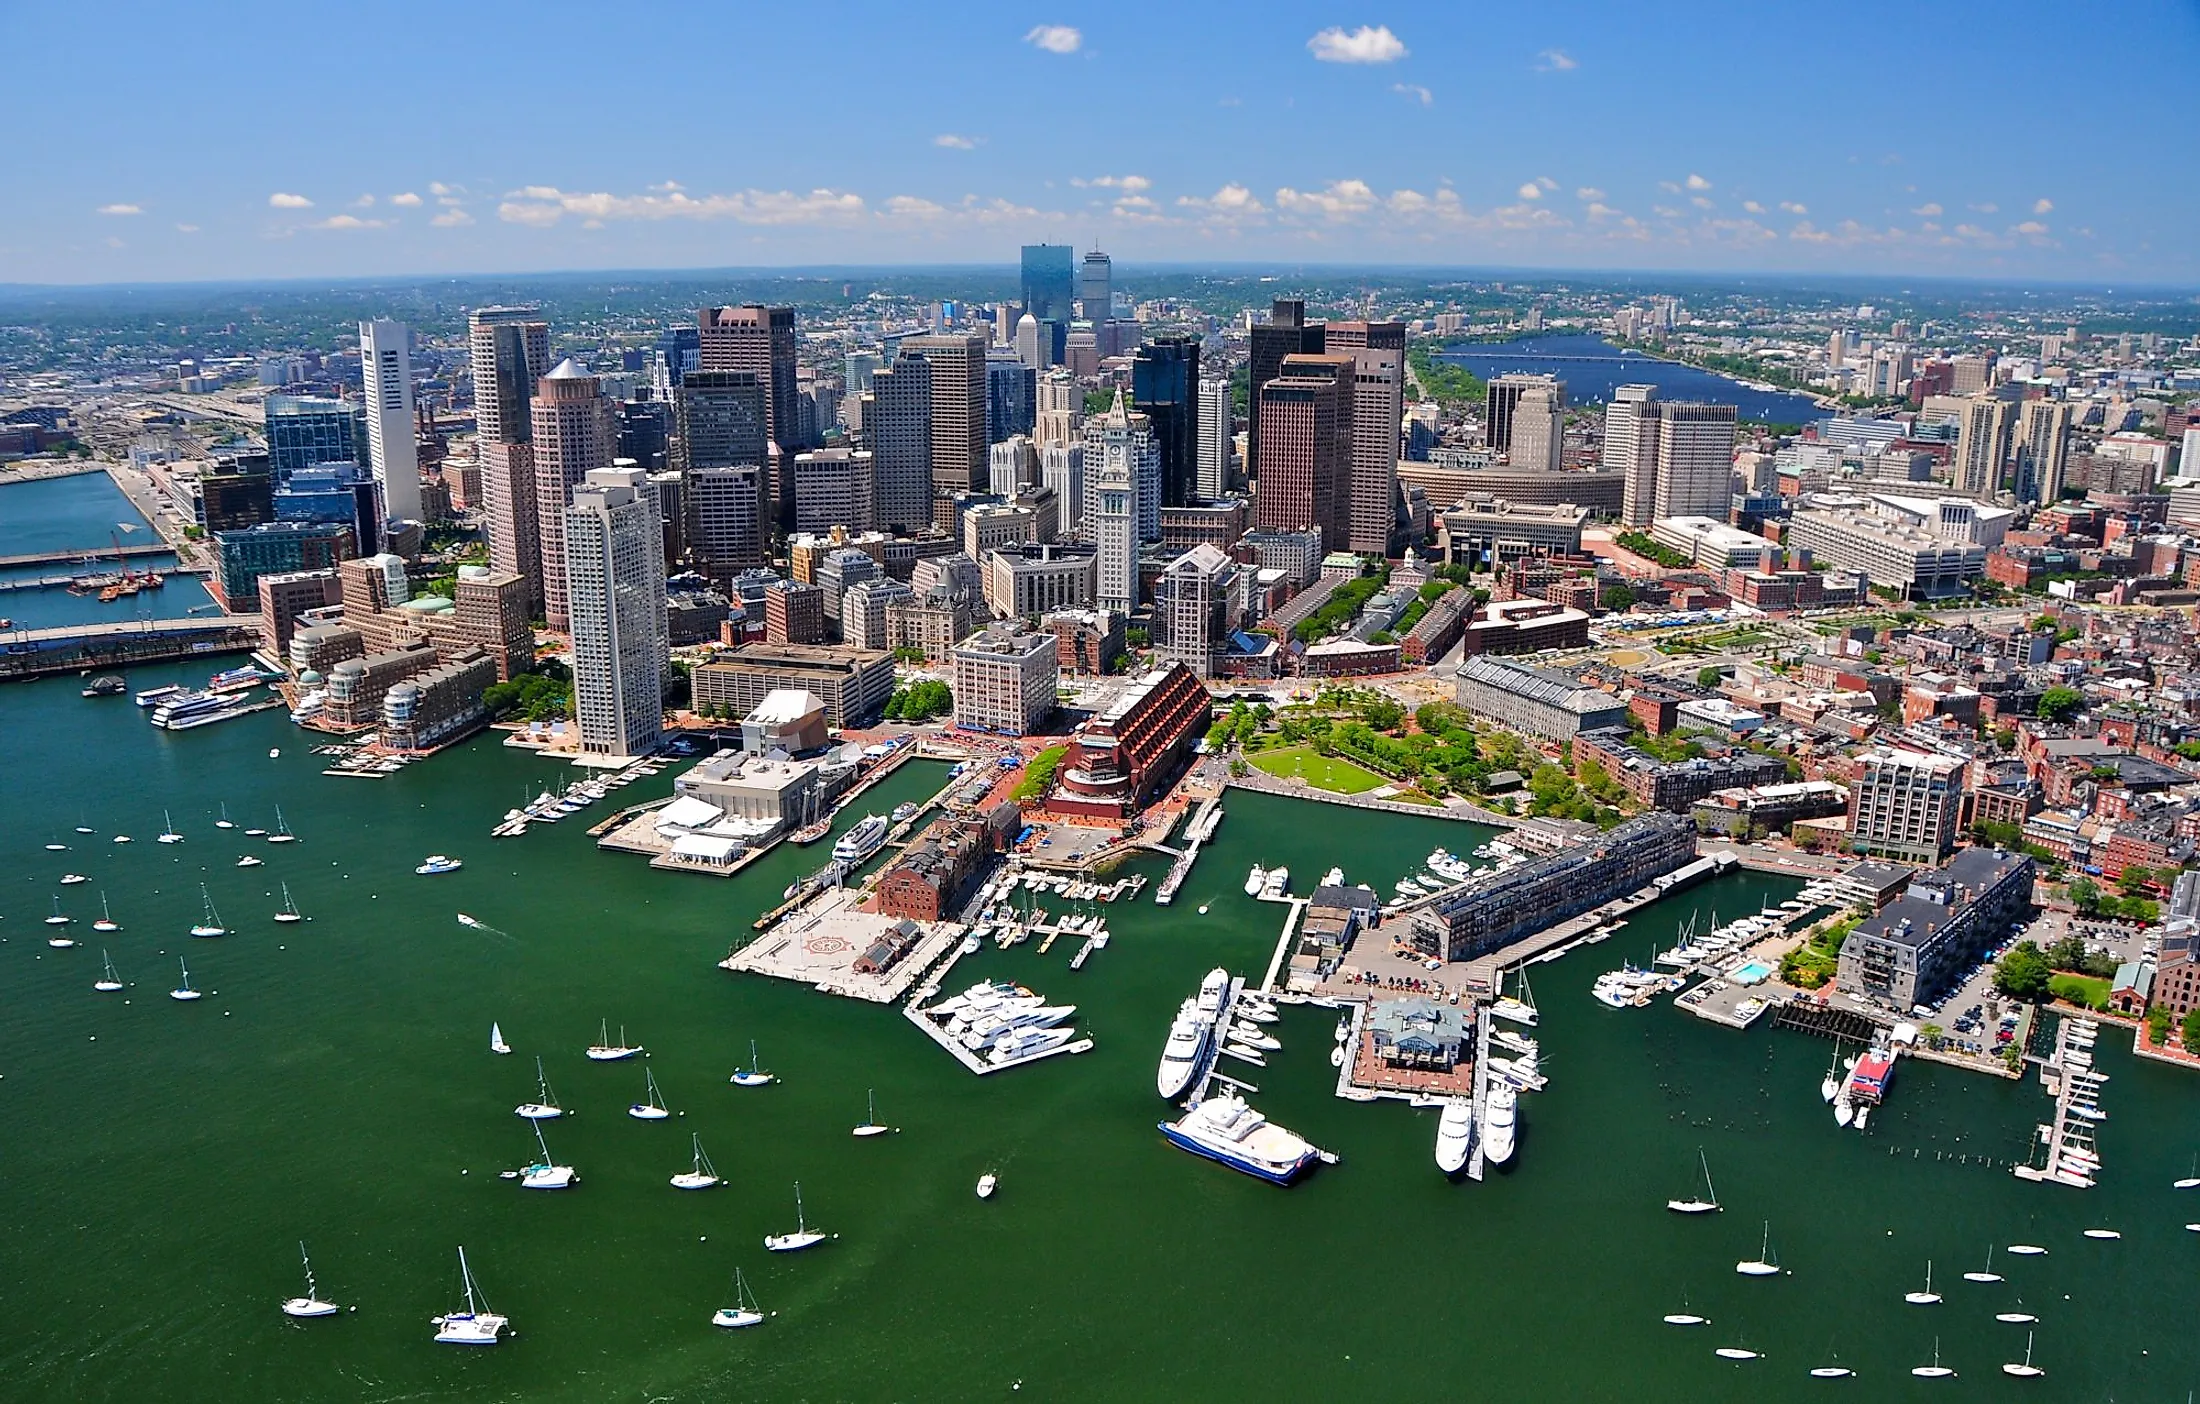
(282, 832)
(753, 1075)
(2028, 1250)
(1936, 1370)
(545, 1107)
(1987, 1274)
(652, 1105)
(1762, 1265)
(2191, 1181)
(1685, 1317)
(224, 821)
(1928, 1297)
(1735, 1352)
(744, 1311)
(57, 919)
(106, 921)
(309, 1305)
(1831, 1087)
(496, 1039)
(702, 1175)
(603, 1050)
(210, 924)
(870, 1126)
(476, 1325)
(2027, 1370)
(2103, 1233)
(168, 832)
(183, 992)
(108, 982)
(544, 1174)
(289, 913)
(1833, 1369)
(1709, 1204)
(803, 1236)
(2017, 1316)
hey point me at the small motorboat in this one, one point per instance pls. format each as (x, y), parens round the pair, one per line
(248, 861)
(72, 879)
(987, 1183)
(438, 863)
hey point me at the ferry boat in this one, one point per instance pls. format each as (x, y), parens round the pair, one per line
(861, 841)
(1453, 1133)
(235, 680)
(1226, 1130)
(154, 696)
(190, 709)
(1189, 1035)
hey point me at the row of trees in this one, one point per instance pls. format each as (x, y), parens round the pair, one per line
(545, 694)
(920, 701)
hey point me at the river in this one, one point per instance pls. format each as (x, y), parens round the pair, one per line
(1593, 368)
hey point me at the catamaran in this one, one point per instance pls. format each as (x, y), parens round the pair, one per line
(496, 1039)
(106, 921)
(310, 1304)
(108, 982)
(870, 1126)
(753, 1075)
(289, 913)
(1762, 1265)
(184, 992)
(1928, 1297)
(803, 1236)
(545, 1107)
(476, 1325)
(744, 1312)
(211, 923)
(703, 1175)
(282, 832)
(652, 1105)
(543, 1174)
(603, 1050)
(1709, 1204)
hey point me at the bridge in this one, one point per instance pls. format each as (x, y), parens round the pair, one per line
(34, 653)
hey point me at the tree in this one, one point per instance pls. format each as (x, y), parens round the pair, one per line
(1618, 598)
(2189, 1031)
(2023, 973)
(1709, 677)
(2059, 702)
(2133, 880)
(2084, 895)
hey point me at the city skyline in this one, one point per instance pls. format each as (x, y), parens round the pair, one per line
(1588, 139)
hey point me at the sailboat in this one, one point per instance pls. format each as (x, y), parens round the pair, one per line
(168, 832)
(744, 1311)
(496, 1039)
(1761, 1265)
(1737, 1352)
(476, 1325)
(870, 1126)
(310, 1304)
(1685, 1317)
(108, 982)
(754, 1075)
(2103, 1233)
(703, 1175)
(1833, 1369)
(652, 1107)
(211, 923)
(2027, 1370)
(289, 913)
(1928, 1297)
(1831, 1087)
(603, 1050)
(1987, 1274)
(184, 992)
(1936, 1370)
(803, 1236)
(282, 832)
(545, 1107)
(543, 1174)
(1707, 1205)
(57, 919)
(105, 922)
(2018, 1317)
(2191, 1181)
(224, 822)
(2028, 1250)
(57, 846)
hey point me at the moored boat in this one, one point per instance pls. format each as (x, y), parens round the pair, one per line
(1224, 1129)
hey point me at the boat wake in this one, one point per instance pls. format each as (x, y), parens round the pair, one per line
(476, 924)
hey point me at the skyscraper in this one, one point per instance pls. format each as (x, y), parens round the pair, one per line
(1049, 282)
(1032, 349)
(1538, 427)
(1114, 526)
(1367, 506)
(1305, 416)
(509, 349)
(723, 510)
(385, 365)
(721, 420)
(1285, 333)
(1215, 430)
(1062, 468)
(897, 424)
(1630, 449)
(760, 339)
(1061, 408)
(1982, 444)
(1164, 387)
(958, 406)
(1121, 438)
(1502, 394)
(2043, 450)
(613, 559)
(1010, 388)
(1096, 286)
(304, 432)
(576, 427)
(1695, 460)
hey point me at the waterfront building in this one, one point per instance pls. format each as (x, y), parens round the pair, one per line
(317, 648)
(1419, 1034)
(833, 487)
(1496, 909)
(1285, 333)
(1486, 532)
(575, 428)
(853, 683)
(385, 366)
(305, 432)
(439, 704)
(1005, 681)
(272, 548)
(935, 869)
(356, 686)
(767, 794)
(794, 612)
(1199, 603)
(615, 565)
(285, 597)
(1914, 950)
(1535, 701)
(236, 491)
(1215, 435)
(1119, 760)
(1673, 785)
(863, 612)
(1906, 805)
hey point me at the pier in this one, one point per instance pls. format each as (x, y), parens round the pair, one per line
(1197, 832)
(104, 553)
(2073, 1155)
(34, 653)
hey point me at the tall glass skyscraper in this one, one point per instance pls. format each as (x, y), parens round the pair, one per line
(1050, 282)
(305, 432)
(1165, 388)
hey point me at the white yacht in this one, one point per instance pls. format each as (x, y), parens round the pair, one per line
(1225, 1129)
(72, 879)
(1500, 1119)
(803, 1236)
(1454, 1134)
(1213, 990)
(1333, 878)
(603, 1050)
(476, 1325)
(438, 863)
(987, 1183)
(744, 1312)
(1255, 880)
(310, 1305)
(861, 841)
(1181, 1056)
(702, 1175)
(248, 861)
(1278, 884)
(1027, 1043)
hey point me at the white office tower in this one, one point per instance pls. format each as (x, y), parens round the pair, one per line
(1096, 286)
(385, 363)
(615, 582)
(1539, 429)
(1114, 527)
(2043, 450)
(1982, 444)
(1214, 439)
(1031, 347)
(1011, 466)
(1631, 449)
(1061, 409)
(1062, 468)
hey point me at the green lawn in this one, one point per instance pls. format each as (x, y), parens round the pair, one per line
(1320, 771)
(2080, 989)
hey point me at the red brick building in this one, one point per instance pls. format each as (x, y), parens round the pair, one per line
(1120, 759)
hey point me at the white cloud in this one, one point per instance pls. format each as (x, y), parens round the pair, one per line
(1556, 61)
(364, 202)
(437, 187)
(282, 200)
(1056, 38)
(1795, 207)
(1669, 185)
(955, 142)
(542, 206)
(452, 219)
(1370, 43)
(1588, 192)
(348, 221)
(121, 209)
(1753, 207)
(1231, 201)
(1129, 184)
(187, 229)
(1531, 191)
(1988, 208)
(1699, 202)
(1415, 91)
(1929, 210)
(408, 199)
(2031, 228)
(1341, 199)
(912, 207)
(1599, 210)
(2042, 205)
(1697, 182)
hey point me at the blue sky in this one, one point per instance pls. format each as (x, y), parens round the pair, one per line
(243, 139)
